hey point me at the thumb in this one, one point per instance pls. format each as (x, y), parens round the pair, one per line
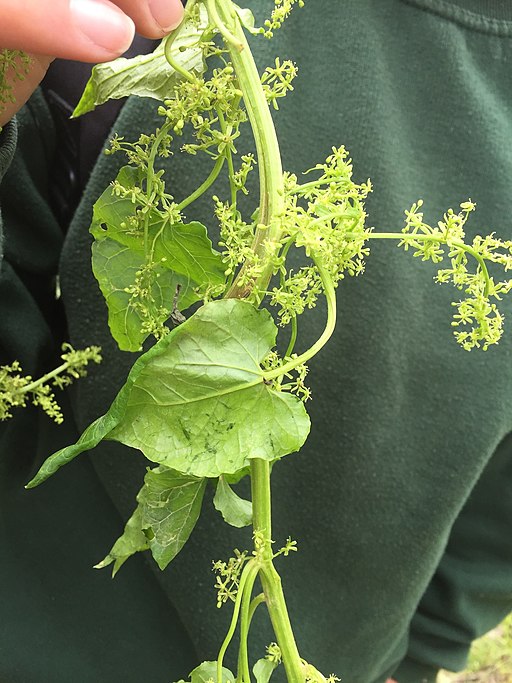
(86, 30)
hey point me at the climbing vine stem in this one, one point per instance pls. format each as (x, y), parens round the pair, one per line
(271, 209)
(271, 205)
(270, 579)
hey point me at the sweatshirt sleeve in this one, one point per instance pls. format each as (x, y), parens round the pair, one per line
(48, 594)
(30, 241)
(8, 139)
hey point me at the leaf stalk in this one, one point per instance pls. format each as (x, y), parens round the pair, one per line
(247, 572)
(330, 295)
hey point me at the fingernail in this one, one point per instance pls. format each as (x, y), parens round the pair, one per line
(167, 14)
(103, 24)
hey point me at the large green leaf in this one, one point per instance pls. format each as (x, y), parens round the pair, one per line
(197, 402)
(146, 75)
(169, 504)
(202, 406)
(180, 253)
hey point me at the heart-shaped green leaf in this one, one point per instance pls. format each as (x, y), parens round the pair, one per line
(197, 401)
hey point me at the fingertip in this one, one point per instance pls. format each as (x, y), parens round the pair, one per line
(104, 25)
(153, 18)
(167, 15)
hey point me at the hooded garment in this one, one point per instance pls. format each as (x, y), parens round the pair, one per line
(400, 500)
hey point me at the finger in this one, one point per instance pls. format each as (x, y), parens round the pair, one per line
(153, 18)
(87, 30)
(24, 88)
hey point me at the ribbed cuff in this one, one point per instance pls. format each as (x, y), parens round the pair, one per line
(411, 671)
(494, 9)
(8, 139)
(487, 16)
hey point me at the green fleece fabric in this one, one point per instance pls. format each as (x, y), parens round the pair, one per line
(59, 619)
(400, 500)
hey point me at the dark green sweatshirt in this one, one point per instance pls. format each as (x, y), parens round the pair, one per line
(400, 500)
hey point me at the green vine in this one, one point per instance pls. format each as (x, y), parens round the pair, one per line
(212, 401)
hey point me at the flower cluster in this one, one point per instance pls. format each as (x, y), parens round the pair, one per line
(143, 151)
(145, 299)
(277, 80)
(326, 217)
(16, 389)
(236, 236)
(289, 547)
(228, 576)
(280, 13)
(314, 676)
(14, 65)
(212, 108)
(209, 111)
(477, 320)
(240, 176)
(274, 653)
(296, 379)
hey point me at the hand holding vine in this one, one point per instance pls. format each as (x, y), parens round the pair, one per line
(86, 30)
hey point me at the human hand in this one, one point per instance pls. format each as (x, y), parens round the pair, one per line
(85, 30)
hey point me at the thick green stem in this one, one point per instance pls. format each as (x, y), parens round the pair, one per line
(270, 579)
(271, 208)
(267, 147)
